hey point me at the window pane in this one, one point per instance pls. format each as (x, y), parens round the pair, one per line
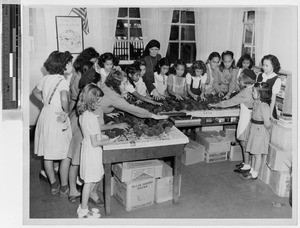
(173, 52)
(135, 29)
(175, 18)
(248, 34)
(122, 30)
(174, 35)
(123, 12)
(121, 50)
(188, 52)
(246, 50)
(134, 12)
(136, 50)
(187, 32)
(251, 16)
(187, 17)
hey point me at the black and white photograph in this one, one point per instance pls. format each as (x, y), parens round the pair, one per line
(149, 113)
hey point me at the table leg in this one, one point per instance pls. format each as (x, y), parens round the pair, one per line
(107, 183)
(177, 167)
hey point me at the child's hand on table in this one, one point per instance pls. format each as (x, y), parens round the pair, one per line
(123, 126)
(178, 97)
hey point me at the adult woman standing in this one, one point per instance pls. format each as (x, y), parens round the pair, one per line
(151, 57)
(113, 89)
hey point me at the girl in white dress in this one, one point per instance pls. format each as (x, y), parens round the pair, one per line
(91, 166)
(161, 76)
(53, 130)
(196, 79)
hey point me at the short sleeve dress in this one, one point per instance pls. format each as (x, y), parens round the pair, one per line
(259, 136)
(160, 83)
(52, 138)
(91, 166)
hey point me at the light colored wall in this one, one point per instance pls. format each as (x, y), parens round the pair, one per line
(281, 38)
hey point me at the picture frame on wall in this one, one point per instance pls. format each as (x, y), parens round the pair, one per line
(69, 34)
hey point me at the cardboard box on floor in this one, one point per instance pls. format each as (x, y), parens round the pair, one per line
(164, 185)
(193, 153)
(281, 137)
(135, 194)
(280, 182)
(128, 171)
(215, 157)
(213, 141)
(278, 160)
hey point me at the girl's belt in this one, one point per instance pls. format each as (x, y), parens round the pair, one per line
(256, 121)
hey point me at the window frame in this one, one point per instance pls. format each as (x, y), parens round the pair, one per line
(179, 24)
(128, 40)
(244, 44)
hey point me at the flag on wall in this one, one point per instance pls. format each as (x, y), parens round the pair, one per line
(82, 12)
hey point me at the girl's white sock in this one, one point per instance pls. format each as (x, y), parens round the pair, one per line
(251, 171)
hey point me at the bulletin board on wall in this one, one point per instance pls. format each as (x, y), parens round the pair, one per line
(69, 34)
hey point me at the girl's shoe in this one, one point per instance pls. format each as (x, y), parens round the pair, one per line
(64, 193)
(86, 213)
(240, 165)
(73, 199)
(97, 203)
(56, 190)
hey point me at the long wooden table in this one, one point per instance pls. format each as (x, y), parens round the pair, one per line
(172, 145)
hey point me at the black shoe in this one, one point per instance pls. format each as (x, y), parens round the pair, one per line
(43, 176)
(239, 165)
(242, 170)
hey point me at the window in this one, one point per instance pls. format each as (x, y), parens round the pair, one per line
(248, 44)
(129, 40)
(182, 44)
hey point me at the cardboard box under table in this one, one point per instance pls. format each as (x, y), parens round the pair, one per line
(213, 141)
(215, 157)
(193, 153)
(143, 148)
(135, 194)
(164, 185)
(128, 171)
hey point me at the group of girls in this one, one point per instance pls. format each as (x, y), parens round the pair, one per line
(69, 126)
(257, 102)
